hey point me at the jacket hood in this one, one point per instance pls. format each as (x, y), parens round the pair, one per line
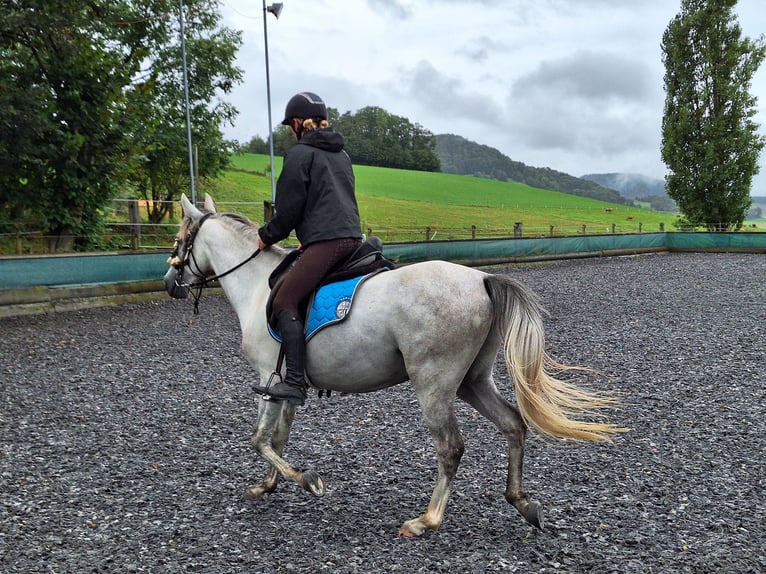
(325, 139)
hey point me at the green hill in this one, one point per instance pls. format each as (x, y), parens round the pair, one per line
(461, 156)
(412, 205)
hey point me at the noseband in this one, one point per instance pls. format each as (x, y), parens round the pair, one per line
(181, 263)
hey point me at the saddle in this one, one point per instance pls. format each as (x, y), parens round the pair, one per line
(367, 259)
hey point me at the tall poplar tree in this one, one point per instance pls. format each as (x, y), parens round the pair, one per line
(710, 142)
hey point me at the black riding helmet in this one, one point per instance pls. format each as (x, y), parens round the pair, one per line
(305, 105)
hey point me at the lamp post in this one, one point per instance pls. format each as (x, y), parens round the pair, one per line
(186, 99)
(275, 9)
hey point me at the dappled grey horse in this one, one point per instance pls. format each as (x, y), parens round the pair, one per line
(436, 324)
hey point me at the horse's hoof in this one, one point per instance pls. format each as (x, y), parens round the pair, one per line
(255, 493)
(412, 528)
(313, 483)
(534, 514)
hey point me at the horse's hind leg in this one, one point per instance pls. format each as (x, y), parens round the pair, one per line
(440, 419)
(269, 439)
(479, 391)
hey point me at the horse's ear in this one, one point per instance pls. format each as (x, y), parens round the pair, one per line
(210, 204)
(189, 208)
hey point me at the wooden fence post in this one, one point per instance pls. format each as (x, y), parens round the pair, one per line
(268, 211)
(135, 224)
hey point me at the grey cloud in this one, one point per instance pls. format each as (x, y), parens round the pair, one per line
(396, 8)
(448, 96)
(469, 2)
(591, 102)
(590, 76)
(550, 124)
(478, 49)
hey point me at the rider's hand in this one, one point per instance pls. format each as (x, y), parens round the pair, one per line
(261, 245)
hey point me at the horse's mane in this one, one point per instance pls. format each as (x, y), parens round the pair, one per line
(237, 222)
(240, 224)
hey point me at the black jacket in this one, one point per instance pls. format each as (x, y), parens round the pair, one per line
(315, 192)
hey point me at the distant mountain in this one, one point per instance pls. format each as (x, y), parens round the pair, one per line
(630, 185)
(638, 187)
(464, 157)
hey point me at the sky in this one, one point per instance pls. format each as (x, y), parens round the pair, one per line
(574, 85)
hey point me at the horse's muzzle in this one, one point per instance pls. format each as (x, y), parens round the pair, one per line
(172, 287)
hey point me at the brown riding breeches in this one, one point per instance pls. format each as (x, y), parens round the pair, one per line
(317, 260)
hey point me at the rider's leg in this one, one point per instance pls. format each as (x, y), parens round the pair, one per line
(293, 387)
(315, 263)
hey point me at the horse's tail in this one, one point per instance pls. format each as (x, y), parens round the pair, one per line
(544, 401)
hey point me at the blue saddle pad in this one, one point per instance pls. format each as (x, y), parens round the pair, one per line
(330, 305)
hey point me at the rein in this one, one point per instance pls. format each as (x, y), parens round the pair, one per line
(203, 281)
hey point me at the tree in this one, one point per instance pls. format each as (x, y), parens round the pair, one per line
(375, 137)
(91, 94)
(158, 97)
(256, 145)
(64, 133)
(710, 142)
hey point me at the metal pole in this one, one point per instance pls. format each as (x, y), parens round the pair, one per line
(268, 105)
(186, 99)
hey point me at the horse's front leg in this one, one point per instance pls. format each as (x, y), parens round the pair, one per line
(272, 431)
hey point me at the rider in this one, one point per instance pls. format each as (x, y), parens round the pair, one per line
(315, 197)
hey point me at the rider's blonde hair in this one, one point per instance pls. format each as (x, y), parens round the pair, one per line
(309, 124)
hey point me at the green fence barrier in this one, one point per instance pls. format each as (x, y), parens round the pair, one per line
(494, 250)
(77, 270)
(110, 268)
(750, 242)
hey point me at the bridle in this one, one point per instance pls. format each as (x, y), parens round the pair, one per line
(180, 264)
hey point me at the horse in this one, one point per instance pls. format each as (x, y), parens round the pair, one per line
(436, 324)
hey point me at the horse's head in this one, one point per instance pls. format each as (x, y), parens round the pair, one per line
(182, 260)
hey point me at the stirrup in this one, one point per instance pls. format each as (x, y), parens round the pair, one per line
(265, 391)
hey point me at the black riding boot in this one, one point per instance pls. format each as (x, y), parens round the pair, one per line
(293, 387)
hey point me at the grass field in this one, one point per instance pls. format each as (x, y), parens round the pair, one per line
(407, 205)
(401, 205)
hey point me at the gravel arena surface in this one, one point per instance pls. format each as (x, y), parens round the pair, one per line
(124, 442)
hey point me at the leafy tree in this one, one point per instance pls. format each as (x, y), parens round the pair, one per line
(283, 140)
(90, 93)
(710, 141)
(257, 145)
(158, 96)
(63, 127)
(659, 203)
(376, 137)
